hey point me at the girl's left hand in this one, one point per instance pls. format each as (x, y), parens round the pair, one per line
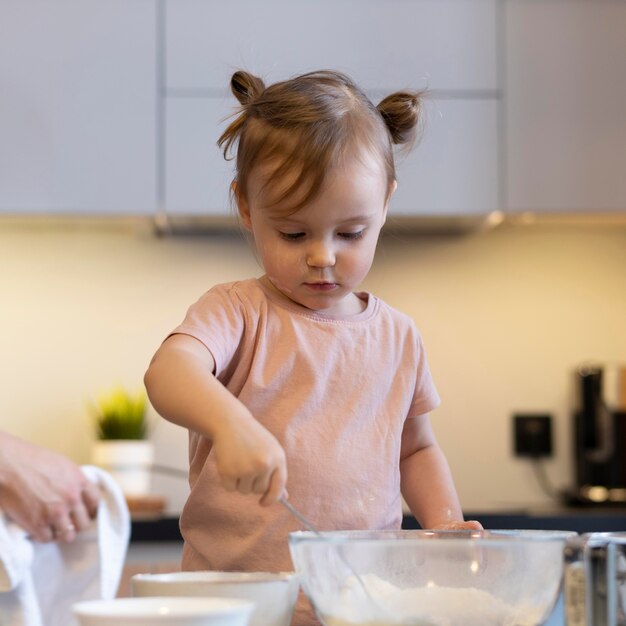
(471, 525)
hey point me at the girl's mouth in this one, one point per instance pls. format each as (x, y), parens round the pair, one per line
(322, 286)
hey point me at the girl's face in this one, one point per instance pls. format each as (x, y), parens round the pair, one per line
(318, 255)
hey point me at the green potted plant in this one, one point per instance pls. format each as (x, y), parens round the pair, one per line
(122, 447)
(121, 415)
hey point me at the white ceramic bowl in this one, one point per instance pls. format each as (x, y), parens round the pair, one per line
(163, 612)
(274, 595)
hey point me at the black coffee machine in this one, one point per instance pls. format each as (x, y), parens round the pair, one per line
(599, 443)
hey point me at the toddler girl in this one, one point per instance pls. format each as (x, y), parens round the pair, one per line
(295, 382)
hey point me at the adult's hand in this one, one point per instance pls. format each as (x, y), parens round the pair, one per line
(44, 492)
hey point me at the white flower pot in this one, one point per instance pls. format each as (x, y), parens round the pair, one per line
(128, 461)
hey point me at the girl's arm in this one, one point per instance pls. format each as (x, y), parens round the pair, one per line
(426, 480)
(182, 388)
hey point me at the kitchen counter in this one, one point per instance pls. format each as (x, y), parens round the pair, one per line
(156, 543)
(581, 520)
(577, 519)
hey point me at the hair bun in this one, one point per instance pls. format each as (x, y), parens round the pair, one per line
(402, 113)
(246, 87)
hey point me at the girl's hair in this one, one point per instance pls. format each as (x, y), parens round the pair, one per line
(305, 126)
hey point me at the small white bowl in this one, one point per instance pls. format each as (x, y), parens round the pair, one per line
(163, 612)
(273, 594)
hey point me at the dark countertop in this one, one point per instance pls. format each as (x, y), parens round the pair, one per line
(579, 519)
(155, 529)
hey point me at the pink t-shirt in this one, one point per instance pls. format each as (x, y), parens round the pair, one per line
(335, 391)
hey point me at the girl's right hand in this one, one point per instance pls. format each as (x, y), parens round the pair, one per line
(250, 459)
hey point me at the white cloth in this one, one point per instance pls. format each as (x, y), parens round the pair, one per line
(39, 582)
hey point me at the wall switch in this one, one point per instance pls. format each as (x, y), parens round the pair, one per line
(532, 435)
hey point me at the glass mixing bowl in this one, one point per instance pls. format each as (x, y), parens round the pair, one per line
(430, 578)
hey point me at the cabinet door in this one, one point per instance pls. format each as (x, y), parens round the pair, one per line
(383, 44)
(197, 178)
(77, 106)
(566, 105)
(453, 170)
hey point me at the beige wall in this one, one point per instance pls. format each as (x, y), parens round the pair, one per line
(506, 315)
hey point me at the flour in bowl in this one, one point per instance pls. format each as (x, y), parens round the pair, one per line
(388, 605)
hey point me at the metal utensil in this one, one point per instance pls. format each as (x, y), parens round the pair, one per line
(311, 527)
(301, 518)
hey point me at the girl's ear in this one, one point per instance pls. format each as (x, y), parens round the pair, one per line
(242, 206)
(392, 188)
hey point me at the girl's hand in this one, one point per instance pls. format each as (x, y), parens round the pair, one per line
(471, 525)
(250, 460)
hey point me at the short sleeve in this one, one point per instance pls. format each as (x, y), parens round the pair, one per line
(217, 320)
(425, 398)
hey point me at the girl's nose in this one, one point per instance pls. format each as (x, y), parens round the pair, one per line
(320, 254)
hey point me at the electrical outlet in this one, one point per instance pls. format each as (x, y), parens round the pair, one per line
(532, 435)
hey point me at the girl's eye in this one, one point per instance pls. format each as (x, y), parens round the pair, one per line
(356, 235)
(291, 236)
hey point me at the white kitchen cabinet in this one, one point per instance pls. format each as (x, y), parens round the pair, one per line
(453, 170)
(197, 178)
(565, 97)
(447, 46)
(78, 106)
